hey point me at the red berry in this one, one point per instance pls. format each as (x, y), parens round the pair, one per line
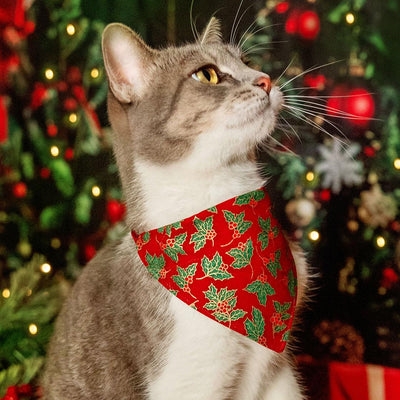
(20, 190)
(52, 130)
(69, 154)
(70, 104)
(45, 173)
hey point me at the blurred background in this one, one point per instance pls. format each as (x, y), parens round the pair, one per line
(334, 160)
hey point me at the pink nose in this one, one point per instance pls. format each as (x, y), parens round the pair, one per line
(264, 82)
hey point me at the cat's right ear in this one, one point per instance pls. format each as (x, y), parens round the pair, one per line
(127, 60)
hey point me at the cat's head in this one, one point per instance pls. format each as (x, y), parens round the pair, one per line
(199, 102)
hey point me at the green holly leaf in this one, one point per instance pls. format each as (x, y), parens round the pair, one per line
(212, 268)
(262, 290)
(199, 238)
(176, 249)
(281, 308)
(237, 314)
(273, 266)
(222, 317)
(292, 283)
(213, 210)
(242, 225)
(184, 273)
(246, 198)
(279, 328)
(212, 293)
(263, 237)
(146, 237)
(255, 328)
(242, 257)
(174, 292)
(155, 265)
(285, 316)
(168, 228)
(286, 336)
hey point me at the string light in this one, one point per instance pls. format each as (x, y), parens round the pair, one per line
(94, 73)
(49, 74)
(33, 329)
(54, 151)
(396, 163)
(45, 268)
(73, 118)
(71, 29)
(350, 18)
(6, 293)
(313, 235)
(310, 176)
(380, 241)
(55, 243)
(96, 191)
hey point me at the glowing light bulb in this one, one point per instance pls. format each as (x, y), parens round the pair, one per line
(71, 29)
(313, 235)
(96, 191)
(396, 163)
(73, 118)
(6, 293)
(310, 176)
(54, 151)
(94, 73)
(45, 268)
(350, 18)
(49, 74)
(33, 329)
(380, 241)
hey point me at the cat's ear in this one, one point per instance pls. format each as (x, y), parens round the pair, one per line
(127, 60)
(212, 32)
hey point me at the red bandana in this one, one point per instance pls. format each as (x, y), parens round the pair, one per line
(230, 263)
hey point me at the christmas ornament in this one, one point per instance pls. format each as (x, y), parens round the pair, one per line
(3, 120)
(69, 154)
(389, 278)
(39, 95)
(89, 252)
(115, 211)
(52, 130)
(315, 81)
(19, 392)
(357, 105)
(338, 166)
(376, 208)
(308, 25)
(282, 7)
(20, 190)
(231, 263)
(300, 212)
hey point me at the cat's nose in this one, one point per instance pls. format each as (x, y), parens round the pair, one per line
(264, 82)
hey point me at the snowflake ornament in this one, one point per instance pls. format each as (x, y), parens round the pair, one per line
(338, 166)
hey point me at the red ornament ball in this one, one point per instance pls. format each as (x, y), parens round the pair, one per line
(45, 173)
(282, 7)
(70, 104)
(115, 211)
(20, 190)
(69, 154)
(361, 104)
(309, 25)
(292, 23)
(325, 195)
(389, 278)
(369, 151)
(90, 252)
(52, 130)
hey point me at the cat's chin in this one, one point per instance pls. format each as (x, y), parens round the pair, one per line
(276, 99)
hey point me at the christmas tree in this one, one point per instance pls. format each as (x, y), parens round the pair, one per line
(340, 182)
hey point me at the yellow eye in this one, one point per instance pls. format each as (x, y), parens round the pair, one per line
(206, 75)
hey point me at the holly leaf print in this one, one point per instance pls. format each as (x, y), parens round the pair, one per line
(185, 276)
(248, 197)
(146, 237)
(204, 231)
(213, 210)
(286, 336)
(174, 246)
(292, 283)
(281, 308)
(265, 235)
(214, 268)
(274, 264)
(242, 256)
(238, 219)
(223, 303)
(168, 228)
(255, 328)
(155, 265)
(261, 289)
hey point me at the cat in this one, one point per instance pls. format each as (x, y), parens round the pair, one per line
(186, 122)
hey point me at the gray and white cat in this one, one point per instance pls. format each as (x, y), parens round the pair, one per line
(186, 123)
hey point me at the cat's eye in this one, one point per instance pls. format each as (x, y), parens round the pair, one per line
(206, 75)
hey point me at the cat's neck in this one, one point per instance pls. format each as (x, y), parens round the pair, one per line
(170, 194)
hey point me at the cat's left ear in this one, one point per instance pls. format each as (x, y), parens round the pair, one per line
(212, 32)
(127, 60)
